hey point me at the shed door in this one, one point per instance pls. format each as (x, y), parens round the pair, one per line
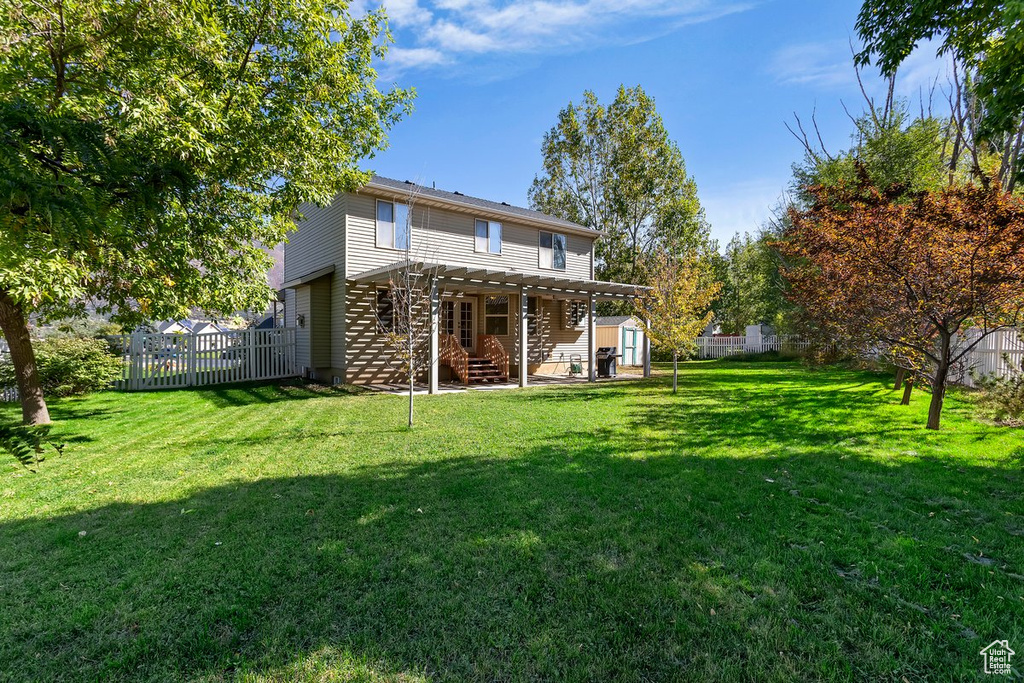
(629, 346)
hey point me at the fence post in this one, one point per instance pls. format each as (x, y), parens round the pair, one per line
(251, 353)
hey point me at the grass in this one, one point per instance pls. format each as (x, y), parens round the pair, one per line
(768, 523)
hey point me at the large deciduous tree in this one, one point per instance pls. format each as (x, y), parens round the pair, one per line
(614, 168)
(148, 148)
(676, 306)
(986, 36)
(908, 274)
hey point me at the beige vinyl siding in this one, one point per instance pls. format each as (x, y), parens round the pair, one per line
(368, 355)
(449, 237)
(549, 350)
(318, 242)
(551, 344)
(319, 324)
(302, 337)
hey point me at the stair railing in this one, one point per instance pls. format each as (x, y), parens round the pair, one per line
(491, 348)
(451, 353)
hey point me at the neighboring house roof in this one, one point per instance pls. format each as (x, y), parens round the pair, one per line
(206, 327)
(614, 320)
(458, 199)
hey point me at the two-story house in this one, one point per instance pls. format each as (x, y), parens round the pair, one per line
(512, 290)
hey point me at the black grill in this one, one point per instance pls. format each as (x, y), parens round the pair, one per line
(606, 361)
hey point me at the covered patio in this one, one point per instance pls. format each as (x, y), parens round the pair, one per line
(445, 350)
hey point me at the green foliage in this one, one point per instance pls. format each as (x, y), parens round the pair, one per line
(614, 168)
(986, 35)
(892, 148)
(70, 366)
(148, 149)
(753, 289)
(81, 328)
(25, 443)
(1004, 396)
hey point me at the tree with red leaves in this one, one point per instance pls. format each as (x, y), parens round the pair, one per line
(906, 274)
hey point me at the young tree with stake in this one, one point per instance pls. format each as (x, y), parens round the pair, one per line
(404, 318)
(676, 306)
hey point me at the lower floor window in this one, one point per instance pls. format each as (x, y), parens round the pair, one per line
(385, 311)
(578, 311)
(496, 315)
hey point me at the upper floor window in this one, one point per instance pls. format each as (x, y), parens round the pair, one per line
(392, 225)
(552, 250)
(488, 237)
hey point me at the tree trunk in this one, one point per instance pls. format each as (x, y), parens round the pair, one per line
(938, 393)
(675, 371)
(15, 329)
(939, 382)
(900, 374)
(907, 390)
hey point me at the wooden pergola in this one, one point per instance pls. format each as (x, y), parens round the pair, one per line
(470, 279)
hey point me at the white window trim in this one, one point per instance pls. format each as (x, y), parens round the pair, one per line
(501, 242)
(394, 225)
(540, 250)
(507, 315)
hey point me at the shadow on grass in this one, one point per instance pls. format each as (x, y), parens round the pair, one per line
(592, 557)
(246, 394)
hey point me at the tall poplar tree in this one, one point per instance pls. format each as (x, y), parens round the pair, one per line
(614, 168)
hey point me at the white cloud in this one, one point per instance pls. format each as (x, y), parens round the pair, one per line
(444, 31)
(824, 64)
(829, 65)
(416, 57)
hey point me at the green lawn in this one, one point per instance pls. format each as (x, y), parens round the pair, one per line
(767, 523)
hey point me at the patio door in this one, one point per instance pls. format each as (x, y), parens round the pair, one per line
(458, 318)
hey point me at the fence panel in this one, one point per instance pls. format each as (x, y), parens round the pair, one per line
(720, 347)
(7, 394)
(167, 361)
(998, 355)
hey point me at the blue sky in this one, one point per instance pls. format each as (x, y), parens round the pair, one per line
(726, 75)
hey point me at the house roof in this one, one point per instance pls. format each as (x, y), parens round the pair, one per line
(459, 200)
(613, 320)
(487, 279)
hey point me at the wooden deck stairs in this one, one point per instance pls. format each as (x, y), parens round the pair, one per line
(485, 371)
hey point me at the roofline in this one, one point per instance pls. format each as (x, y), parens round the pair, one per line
(307, 278)
(513, 217)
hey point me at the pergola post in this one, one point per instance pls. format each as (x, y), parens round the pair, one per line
(524, 314)
(435, 331)
(592, 337)
(647, 348)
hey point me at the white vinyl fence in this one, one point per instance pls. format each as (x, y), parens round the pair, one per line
(6, 393)
(999, 355)
(166, 361)
(720, 347)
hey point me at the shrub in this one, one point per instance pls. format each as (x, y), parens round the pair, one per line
(70, 367)
(1004, 396)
